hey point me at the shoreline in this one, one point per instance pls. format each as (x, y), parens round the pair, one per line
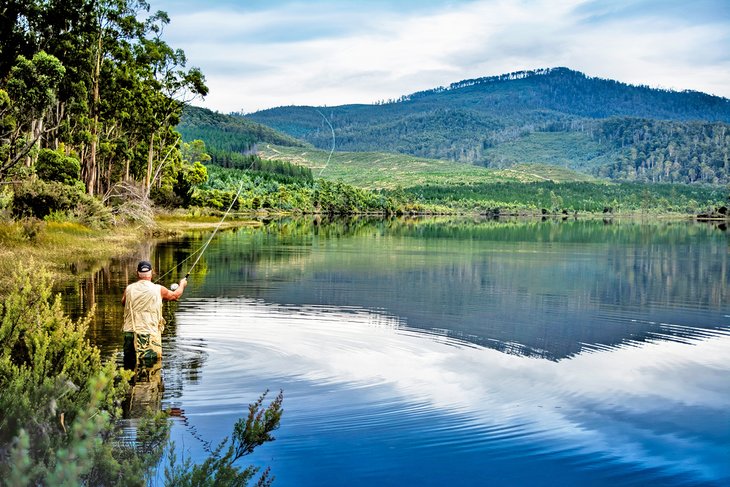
(70, 249)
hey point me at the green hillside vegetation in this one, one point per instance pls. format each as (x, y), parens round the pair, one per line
(553, 116)
(379, 170)
(665, 151)
(575, 150)
(274, 192)
(443, 185)
(223, 133)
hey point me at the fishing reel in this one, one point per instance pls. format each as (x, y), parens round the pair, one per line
(175, 285)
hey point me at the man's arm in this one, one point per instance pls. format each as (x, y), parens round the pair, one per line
(168, 295)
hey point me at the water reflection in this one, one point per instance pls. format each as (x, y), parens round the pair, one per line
(531, 352)
(363, 382)
(535, 288)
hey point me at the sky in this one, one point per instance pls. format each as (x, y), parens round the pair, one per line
(259, 54)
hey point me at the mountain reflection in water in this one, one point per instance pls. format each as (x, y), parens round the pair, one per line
(464, 352)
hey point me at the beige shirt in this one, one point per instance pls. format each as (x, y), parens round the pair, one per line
(143, 308)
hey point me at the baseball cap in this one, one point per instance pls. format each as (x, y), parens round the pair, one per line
(144, 266)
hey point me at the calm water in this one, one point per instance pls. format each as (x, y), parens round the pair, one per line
(452, 352)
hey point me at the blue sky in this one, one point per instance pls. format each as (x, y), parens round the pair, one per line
(260, 54)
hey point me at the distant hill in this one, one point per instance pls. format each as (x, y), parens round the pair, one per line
(551, 116)
(226, 133)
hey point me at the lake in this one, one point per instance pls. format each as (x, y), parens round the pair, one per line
(450, 351)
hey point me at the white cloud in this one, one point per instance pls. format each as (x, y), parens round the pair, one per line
(328, 54)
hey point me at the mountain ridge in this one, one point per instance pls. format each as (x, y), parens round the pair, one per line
(470, 121)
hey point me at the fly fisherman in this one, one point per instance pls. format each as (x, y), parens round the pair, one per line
(143, 321)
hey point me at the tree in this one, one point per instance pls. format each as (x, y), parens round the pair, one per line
(31, 91)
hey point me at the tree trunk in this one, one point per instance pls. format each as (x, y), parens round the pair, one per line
(91, 173)
(150, 156)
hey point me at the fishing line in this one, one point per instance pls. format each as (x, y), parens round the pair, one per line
(333, 144)
(233, 201)
(200, 251)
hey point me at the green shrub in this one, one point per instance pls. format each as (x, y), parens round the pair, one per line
(38, 198)
(57, 399)
(6, 202)
(59, 403)
(92, 212)
(55, 166)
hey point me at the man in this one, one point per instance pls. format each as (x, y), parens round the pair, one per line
(143, 321)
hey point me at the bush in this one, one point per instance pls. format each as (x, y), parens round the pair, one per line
(55, 166)
(59, 403)
(6, 202)
(57, 399)
(40, 198)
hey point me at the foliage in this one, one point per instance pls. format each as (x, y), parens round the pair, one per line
(28, 94)
(55, 166)
(228, 134)
(231, 142)
(95, 78)
(666, 151)
(6, 202)
(274, 192)
(57, 399)
(378, 170)
(59, 403)
(40, 198)
(592, 197)
(219, 469)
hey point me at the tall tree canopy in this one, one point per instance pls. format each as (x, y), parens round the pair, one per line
(95, 81)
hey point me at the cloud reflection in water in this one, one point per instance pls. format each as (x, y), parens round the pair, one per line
(657, 405)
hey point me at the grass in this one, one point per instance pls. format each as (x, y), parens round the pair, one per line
(68, 249)
(65, 248)
(376, 170)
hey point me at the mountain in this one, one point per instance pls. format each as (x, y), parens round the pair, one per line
(551, 116)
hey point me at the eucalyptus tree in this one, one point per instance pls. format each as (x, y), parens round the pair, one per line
(31, 91)
(119, 95)
(171, 86)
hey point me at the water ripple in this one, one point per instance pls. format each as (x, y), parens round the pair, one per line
(354, 379)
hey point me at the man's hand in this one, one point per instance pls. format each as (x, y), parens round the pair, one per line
(173, 295)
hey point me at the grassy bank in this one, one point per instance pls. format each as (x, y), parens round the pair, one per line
(67, 249)
(62, 248)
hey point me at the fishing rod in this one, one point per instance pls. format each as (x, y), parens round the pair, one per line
(203, 248)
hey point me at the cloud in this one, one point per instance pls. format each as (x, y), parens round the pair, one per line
(261, 55)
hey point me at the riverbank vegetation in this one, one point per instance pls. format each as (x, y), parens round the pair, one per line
(60, 404)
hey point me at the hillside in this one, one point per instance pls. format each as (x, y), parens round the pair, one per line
(225, 133)
(554, 116)
(379, 170)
